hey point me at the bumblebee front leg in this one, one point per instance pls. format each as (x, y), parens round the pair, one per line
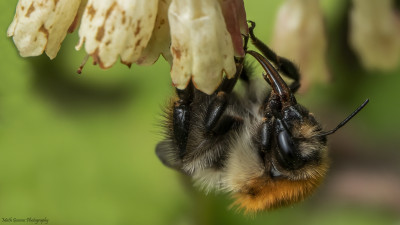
(182, 116)
(219, 101)
(282, 64)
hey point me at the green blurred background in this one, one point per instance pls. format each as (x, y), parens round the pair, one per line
(79, 149)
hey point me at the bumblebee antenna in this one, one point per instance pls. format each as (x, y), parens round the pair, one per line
(326, 133)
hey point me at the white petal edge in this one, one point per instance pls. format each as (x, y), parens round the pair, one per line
(160, 40)
(42, 25)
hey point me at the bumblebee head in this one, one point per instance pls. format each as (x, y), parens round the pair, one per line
(296, 141)
(293, 148)
(295, 160)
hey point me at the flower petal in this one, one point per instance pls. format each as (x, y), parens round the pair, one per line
(375, 33)
(42, 25)
(113, 28)
(236, 23)
(78, 16)
(160, 40)
(200, 44)
(300, 36)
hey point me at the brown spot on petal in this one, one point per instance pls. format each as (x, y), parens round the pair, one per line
(74, 24)
(55, 5)
(97, 59)
(161, 23)
(176, 52)
(91, 11)
(109, 11)
(123, 17)
(95, 56)
(100, 33)
(22, 8)
(30, 10)
(126, 63)
(137, 28)
(44, 30)
(138, 42)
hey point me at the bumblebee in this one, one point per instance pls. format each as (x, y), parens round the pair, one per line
(255, 142)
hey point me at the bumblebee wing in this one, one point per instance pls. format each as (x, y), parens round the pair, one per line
(168, 155)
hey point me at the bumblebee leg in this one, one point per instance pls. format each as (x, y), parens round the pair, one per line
(266, 130)
(219, 101)
(275, 80)
(181, 117)
(283, 65)
(270, 106)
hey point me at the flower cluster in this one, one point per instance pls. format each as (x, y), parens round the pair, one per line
(198, 38)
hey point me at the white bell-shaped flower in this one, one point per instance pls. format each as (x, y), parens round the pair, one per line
(200, 44)
(117, 28)
(300, 37)
(198, 38)
(375, 33)
(42, 25)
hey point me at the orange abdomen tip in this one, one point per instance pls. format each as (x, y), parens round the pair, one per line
(261, 194)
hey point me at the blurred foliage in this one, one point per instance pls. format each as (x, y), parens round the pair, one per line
(79, 149)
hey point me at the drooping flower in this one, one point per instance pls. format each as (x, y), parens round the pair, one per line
(201, 44)
(375, 33)
(300, 36)
(42, 25)
(117, 28)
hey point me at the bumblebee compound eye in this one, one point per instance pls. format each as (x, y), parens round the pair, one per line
(289, 155)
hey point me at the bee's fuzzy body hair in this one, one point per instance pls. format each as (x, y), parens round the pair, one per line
(230, 161)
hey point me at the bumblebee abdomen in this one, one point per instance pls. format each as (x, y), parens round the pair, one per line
(264, 193)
